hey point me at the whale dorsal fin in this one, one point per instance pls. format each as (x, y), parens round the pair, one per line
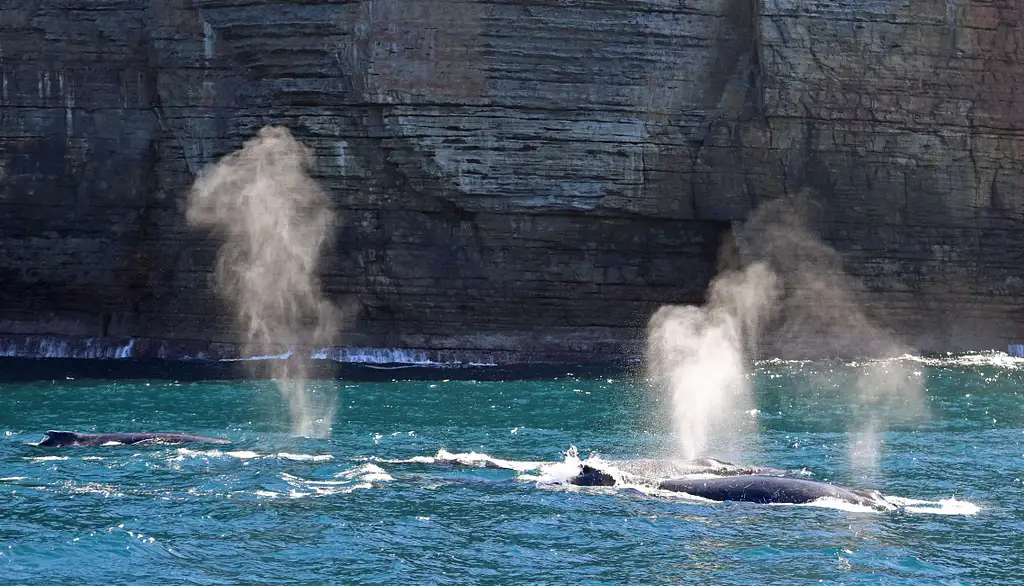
(58, 438)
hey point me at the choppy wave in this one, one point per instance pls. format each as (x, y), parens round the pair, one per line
(997, 359)
(183, 453)
(950, 506)
(375, 356)
(469, 459)
(1012, 360)
(305, 457)
(361, 477)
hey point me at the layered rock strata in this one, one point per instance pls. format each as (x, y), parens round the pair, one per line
(515, 175)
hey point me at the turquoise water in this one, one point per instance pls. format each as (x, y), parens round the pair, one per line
(378, 503)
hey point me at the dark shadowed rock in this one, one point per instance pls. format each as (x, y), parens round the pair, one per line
(520, 176)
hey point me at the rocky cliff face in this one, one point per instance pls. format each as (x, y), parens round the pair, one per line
(528, 176)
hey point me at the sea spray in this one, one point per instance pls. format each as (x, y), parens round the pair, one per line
(699, 354)
(274, 221)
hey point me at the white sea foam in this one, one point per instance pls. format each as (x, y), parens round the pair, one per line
(399, 357)
(94, 488)
(243, 455)
(305, 457)
(485, 461)
(283, 356)
(183, 453)
(950, 506)
(834, 503)
(560, 472)
(367, 473)
(46, 458)
(361, 477)
(997, 359)
(188, 453)
(470, 460)
(413, 460)
(376, 356)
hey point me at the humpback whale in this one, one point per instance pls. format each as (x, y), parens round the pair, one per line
(750, 488)
(55, 439)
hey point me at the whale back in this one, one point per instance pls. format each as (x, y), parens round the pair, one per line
(770, 489)
(55, 438)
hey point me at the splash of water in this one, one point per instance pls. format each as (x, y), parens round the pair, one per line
(274, 221)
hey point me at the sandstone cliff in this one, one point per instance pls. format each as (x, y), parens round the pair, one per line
(527, 176)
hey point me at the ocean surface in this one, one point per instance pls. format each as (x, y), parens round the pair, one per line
(462, 482)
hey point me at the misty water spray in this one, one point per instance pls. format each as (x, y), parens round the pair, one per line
(274, 221)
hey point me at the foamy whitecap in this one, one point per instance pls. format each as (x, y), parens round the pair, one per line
(368, 473)
(950, 506)
(183, 453)
(46, 458)
(305, 457)
(834, 503)
(94, 488)
(557, 472)
(998, 359)
(187, 453)
(243, 455)
(475, 459)
(413, 460)
(360, 478)
(282, 356)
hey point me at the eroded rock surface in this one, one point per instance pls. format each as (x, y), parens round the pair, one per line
(529, 176)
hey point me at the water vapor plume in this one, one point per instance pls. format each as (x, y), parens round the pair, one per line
(274, 221)
(699, 354)
(820, 315)
(781, 292)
